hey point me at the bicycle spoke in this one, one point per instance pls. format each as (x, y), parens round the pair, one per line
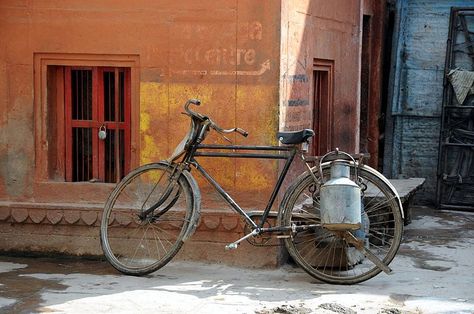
(381, 204)
(373, 216)
(381, 222)
(329, 256)
(149, 243)
(156, 228)
(157, 239)
(139, 244)
(380, 233)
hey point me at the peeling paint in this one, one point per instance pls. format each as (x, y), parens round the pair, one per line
(162, 127)
(153, 122)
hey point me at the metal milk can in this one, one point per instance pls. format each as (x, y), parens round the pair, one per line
(340, 199)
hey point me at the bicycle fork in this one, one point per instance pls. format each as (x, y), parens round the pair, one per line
(172, 182)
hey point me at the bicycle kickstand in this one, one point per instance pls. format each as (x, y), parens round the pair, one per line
(234, 245)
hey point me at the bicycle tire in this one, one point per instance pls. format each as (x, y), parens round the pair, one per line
(326, 255)
(139, 246)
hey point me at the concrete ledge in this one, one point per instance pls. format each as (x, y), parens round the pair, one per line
(406, 189)
(73, 229)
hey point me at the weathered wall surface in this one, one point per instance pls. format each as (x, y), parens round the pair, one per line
(328, 35)
(417, 86)
(225, 53)
(325, 30)
(250, 62)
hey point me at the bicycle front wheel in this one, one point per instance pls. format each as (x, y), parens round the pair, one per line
(138, 244)
(328, 255)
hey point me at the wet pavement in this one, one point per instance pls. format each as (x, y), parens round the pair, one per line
(433, 273)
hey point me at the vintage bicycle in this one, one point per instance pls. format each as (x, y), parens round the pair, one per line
(156, 207)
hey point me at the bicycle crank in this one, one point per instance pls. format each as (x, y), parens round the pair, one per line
(234, 245)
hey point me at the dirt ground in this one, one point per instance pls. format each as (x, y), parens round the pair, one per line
(432, 274)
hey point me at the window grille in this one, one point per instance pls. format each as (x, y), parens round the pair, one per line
(97, 99)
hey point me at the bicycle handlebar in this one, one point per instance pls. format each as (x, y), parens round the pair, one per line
(221, 130)
(212, 124)
(192, 113)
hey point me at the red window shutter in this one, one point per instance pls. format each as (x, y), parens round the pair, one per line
(97, 98)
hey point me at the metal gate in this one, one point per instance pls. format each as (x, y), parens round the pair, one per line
(455, 186)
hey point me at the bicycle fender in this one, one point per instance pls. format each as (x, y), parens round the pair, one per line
(326, 164)
(386, 181)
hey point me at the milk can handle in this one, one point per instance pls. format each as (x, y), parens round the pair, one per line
(337, 152)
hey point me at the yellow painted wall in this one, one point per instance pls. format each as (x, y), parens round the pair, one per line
(253, 108)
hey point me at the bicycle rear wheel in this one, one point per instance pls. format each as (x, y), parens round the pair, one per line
(328, 255)
(137, 245)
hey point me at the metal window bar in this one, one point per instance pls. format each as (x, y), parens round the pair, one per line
(122, 96)
(81, 89)
(117, 132)
(109, 116)
(81, 98)
(82, 154)
(114, 114)
(108, 160)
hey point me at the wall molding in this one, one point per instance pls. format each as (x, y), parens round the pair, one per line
(91, 215)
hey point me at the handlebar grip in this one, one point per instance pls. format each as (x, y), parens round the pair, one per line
(192, 113)
(242, 132)
(195, 101)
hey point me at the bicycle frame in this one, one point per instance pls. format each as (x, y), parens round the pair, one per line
(288, 155)
(191, 147)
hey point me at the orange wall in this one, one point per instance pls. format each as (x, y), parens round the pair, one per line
(241, 57)
(327, 30)
(224, 52)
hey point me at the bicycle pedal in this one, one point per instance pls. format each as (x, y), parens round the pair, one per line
(231, 246)
(285, 236)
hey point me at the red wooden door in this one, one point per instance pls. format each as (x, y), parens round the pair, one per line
(322, 106)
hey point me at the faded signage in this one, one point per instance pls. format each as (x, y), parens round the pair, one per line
(236, 52)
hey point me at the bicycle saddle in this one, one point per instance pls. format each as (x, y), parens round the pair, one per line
(295, 137)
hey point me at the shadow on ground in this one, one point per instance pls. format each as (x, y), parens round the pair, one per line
(432, 274)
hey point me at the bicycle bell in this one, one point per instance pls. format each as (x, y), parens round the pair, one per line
(340, 197)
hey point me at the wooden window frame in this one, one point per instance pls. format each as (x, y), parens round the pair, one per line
(366, 122)
(42, 61)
